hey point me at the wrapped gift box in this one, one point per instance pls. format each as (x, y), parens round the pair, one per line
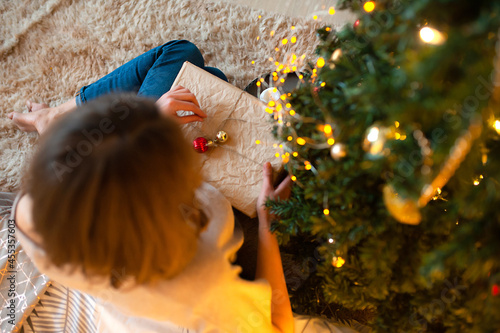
(234, 167)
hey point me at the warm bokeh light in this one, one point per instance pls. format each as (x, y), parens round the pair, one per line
(431, 36)
(326, 211)
(320, 63)
(373, 134)
(496, 126)
(331, 11)
(338, 262)
(327, 129)
(369, 6)
(301, 141)
(257, 142)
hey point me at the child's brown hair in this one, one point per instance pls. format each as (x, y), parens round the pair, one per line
(110, 183)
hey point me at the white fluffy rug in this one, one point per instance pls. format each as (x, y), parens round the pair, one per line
(50, 48)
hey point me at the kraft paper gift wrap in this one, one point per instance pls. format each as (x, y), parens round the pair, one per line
(234, 167)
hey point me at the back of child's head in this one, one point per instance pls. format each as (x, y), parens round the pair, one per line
(108, 182)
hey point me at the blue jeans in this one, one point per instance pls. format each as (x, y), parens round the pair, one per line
(150, 74)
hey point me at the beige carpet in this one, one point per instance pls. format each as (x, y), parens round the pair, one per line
(49, 49)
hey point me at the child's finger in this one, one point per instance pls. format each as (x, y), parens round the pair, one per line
(180, 105)
(267, 174)
(189, 119)
(186, 96)
(284, 188)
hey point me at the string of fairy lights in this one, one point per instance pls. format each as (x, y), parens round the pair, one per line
(404, 210)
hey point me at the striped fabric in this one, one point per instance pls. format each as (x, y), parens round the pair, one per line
(62, 310)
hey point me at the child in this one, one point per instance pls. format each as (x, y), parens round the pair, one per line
(112, 206)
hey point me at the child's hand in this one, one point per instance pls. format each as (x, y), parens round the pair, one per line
(180, 99)
(282, 191)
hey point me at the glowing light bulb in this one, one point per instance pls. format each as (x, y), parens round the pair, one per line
(496, 126)
(284, 41)
(257, 142)
(396, 123)
(431, 36)
(293, 39)
(315, 17)
(331, 11)
(301, 141)
(369, 6)
(295, 154)
(326, 211)
(253, 62)
(292, 113)
(292, 27)
(290, 138)
(320, 63)
(327, 129)
(293, 178)
(331, 241)
(331, 141)
(373, 134)
(277, 154)
(338, 262)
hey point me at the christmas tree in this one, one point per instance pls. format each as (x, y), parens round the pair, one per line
(393, 141)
